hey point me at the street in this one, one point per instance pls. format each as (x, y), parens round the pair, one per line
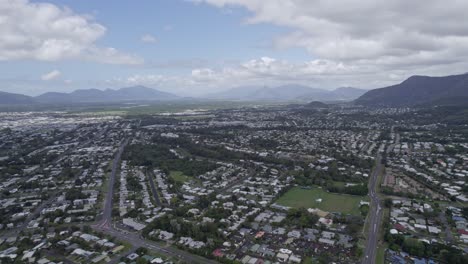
(375, 216)
(106, 226)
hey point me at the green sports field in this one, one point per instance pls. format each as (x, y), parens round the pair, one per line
(331, 202)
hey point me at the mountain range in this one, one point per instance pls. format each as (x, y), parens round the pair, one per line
(419, 90)
(288, 92)
(11, 99)
(141, 93)
(414, 91)
(135, 93)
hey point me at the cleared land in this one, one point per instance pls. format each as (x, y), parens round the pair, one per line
(331, 202)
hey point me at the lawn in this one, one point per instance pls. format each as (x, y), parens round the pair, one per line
(380, 258)
(308, 260)
(179, 176)
(331, 202)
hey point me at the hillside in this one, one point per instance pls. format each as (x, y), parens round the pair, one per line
(11, 98)
(417, 90)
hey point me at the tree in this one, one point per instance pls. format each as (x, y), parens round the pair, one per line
(414, 247)
(388, 202)
(141, 251)
(364, 209)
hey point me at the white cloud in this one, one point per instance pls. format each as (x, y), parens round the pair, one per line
(319, 73)
(262, 71)
(387, 34)
(147, 38)
(45, 32)
(51, 75)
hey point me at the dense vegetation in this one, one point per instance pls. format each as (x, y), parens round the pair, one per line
(159, 156)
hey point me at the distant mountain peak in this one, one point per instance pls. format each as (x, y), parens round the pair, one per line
(417, 90)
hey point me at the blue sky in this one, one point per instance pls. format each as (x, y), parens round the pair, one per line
(202, 46)
(187, 36)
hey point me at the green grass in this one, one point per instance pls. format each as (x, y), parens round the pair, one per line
(331, 202)
(339, 184)
(380, 258)
(308, 260)
(179, 176)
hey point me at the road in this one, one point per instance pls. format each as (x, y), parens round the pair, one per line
(375, 215)
(107, 212)
(106, 226)
(150, 175)
(164, 249)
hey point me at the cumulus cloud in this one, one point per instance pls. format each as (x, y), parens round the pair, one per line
(147, 38)
(45, 32)
(387, 34)
(51, 75)
(264, 71)
(319, 73)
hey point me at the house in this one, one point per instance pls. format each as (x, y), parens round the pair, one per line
(295, 259)
(328, 235)
(254, 248)
(279, 231)
(82, 253)
(325, 221)
(164, 235)
(434, 230)
(327, 241)
(259, 234)
(117, 249)
(132, 256)
(157, 261)
(294, 234)
(130, 222)
(218, 253)
(282, 257)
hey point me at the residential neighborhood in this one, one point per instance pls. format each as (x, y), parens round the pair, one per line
(276, 185)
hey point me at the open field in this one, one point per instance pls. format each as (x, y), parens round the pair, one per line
(179, 176)
(331, 202)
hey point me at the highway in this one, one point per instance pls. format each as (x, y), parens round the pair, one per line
(375, 215)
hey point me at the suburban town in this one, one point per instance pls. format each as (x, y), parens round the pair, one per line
(281, 184)
(233, 132)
